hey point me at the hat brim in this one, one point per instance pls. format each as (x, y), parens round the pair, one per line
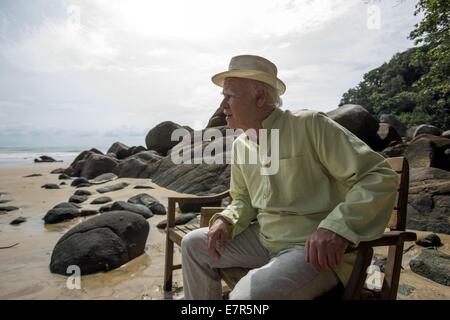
(265, 77)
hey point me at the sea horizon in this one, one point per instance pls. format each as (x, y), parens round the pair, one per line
(17, 155)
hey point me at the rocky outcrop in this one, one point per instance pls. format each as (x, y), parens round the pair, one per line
(217, 119)
(388, 135)
(359, 121)
(429, 200)
(159, 138)
(428, 151)
(102, 243)
(426, 129)
(433, 265)
(394, 122)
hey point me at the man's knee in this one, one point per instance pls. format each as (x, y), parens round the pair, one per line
(194, 240)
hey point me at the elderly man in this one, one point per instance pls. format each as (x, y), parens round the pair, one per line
(292, 228)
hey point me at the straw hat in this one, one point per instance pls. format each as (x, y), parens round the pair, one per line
(251, 67)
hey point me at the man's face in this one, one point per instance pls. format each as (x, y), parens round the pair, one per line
(239, 104)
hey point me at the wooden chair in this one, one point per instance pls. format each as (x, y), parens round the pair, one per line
(394, 239)
(174, 233)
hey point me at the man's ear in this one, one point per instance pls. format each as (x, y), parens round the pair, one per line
(261, 97)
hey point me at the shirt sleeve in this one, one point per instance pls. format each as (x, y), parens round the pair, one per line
(371, 182)
(240, 212)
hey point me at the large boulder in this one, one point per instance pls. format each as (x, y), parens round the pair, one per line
(136, 208)
(394, 122)
(428, 129)
(433, 265)
(428, 151)
(359, 121)
(119, 149)
(96, 164)
(61, 212)
(217, 119)
(159, 138)
(102, 243)
(388, 135)
(130, 168)
(77, 164)
(150, 202)
(429, 200)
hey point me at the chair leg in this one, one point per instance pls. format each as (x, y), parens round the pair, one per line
(357, 280)
(168, 268)
(392, 273)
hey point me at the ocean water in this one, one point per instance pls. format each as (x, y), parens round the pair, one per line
(10, 156)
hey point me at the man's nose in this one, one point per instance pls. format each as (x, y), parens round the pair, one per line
(223, 105)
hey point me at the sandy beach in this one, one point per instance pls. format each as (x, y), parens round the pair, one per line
(24, 268)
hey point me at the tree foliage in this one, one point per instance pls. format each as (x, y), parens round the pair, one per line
(414, 85)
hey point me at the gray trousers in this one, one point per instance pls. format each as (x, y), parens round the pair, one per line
(283, 276)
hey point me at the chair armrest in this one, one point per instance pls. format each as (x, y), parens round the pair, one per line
(189, 200)
(390, 238)
(199, 199)
(207, 213)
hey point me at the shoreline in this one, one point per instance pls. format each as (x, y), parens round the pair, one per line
(24, 268)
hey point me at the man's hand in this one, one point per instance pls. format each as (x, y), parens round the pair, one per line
(218, 232)
(325, 249)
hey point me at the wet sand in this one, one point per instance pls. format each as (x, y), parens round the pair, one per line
(24, 268)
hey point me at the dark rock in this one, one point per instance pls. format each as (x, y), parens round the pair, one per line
(106, 208)
(130, 168)
(63, 183)
(430, 241)
(58, 171)
(432, 265)
(102, 243)
(196, 207)
(179, 220)
(217, 119)
(394, 122)
(150, 202)
(83, 193)
(45, 159)
(359, 121)
(63, 176)
(88, 212)
(50, 186)
(83, 185)
(405, 289)
(103, 178)
(159, 138)
(148, 156)
(33, 175)
(380, 262)
(79, 181)
(143, 187)
(388, 135)
(114, 187)
(136, 208)
(67, 205)
(56, 215)
(19, 220)
(118, 147)
(397, 150)
(426, 128)
(78, 199)
(101, 200)
(96, 164)
(4, 200)
(428, 151)
(8, 208)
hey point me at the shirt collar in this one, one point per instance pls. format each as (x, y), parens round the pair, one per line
(273, 116)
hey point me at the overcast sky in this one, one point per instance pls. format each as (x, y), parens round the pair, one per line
(91, 72)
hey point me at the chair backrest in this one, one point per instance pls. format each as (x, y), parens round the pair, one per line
(398, 217)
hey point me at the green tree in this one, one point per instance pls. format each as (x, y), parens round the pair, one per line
(414, 84)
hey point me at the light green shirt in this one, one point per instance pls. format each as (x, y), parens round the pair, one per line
(327, 178)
